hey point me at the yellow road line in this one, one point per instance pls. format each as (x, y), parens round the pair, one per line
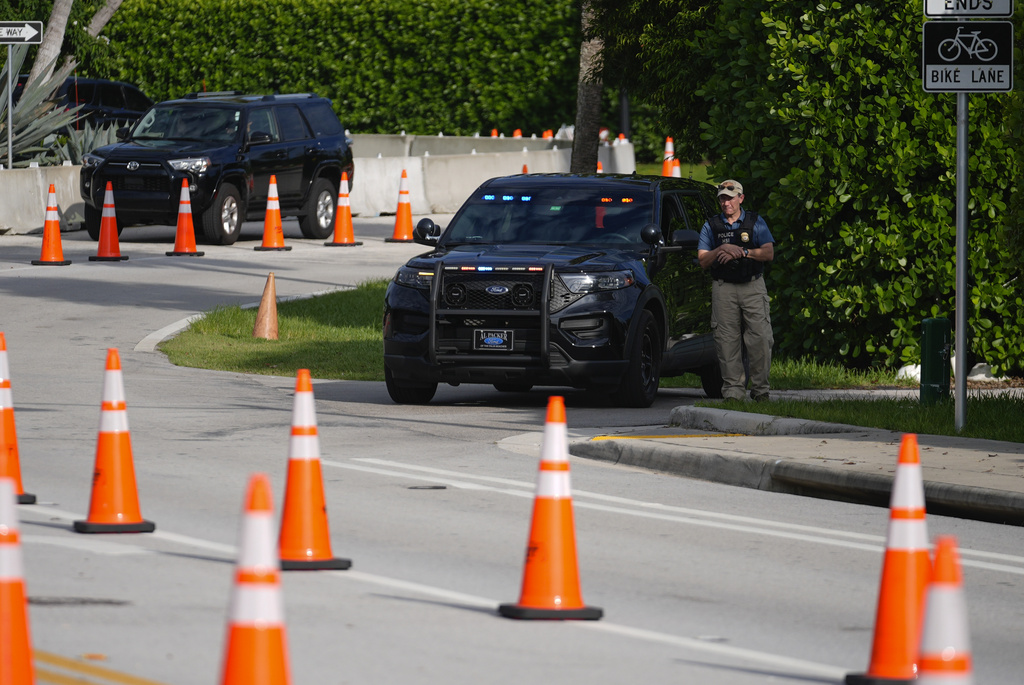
(665, 437)
(80, 669)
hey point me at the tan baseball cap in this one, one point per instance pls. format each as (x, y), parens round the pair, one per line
(731, 188)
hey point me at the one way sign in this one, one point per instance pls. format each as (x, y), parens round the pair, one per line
(15, 32)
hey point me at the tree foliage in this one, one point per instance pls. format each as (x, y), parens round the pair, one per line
(456, 66)
(819, 109)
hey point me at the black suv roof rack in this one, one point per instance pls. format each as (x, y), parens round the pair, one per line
(221, 93)
(296, 96)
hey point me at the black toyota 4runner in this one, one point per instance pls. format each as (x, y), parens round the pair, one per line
(588, 281)
(228, 146)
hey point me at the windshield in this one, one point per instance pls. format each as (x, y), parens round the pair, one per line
(563, 216)
(208, 124)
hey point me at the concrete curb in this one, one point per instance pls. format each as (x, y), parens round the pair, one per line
(775, 474)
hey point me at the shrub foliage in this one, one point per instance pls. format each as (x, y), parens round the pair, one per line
(452, 66)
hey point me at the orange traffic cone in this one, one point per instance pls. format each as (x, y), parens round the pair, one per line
(16, 644)
(518, 133)
(266, 315)
(677, 171)
(305, 542)
(403, 217)
(551, 583)
(185, 238)
(10, 466)
(273, 233)
(52, 253)
(905, 571)
(109, 249)
(343, 231)
(526, 169)
(670, 153)
(600, 169)
(494, 133)
(945, 655)
(257, 650)
(114, 507)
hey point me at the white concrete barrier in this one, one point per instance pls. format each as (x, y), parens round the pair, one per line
(443, 174)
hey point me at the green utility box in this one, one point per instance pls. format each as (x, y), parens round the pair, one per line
(935, 346)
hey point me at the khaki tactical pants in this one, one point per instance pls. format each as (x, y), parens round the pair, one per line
(740, 317)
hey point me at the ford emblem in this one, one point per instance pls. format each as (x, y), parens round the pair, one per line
(496, 289)
(494, 341)
(133, 166)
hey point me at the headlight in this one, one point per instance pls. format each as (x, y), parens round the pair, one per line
(90, 160)
(594, 282)
(195, 165)
(414, 278)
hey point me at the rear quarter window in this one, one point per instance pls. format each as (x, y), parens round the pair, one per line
(293, 127)
(323, 119)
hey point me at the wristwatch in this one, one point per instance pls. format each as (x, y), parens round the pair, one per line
(746, 252)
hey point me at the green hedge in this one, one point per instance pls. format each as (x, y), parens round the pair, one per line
(452, 66)
(819, 109)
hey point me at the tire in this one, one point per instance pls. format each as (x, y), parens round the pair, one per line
(93, 217)
(317, 221)
(222, 221)
(639, 387)
(408, 392)
(711, 381)
(987, 50)
(513, 387)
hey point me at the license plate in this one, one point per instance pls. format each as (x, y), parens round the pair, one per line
(492, 340)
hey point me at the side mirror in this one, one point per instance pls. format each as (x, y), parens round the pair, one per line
(259, 138)
(685, 238)
(651, 234)
(426, 232)
(122, 133)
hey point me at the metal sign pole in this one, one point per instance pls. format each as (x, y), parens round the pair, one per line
(960, 341)
(10, 113)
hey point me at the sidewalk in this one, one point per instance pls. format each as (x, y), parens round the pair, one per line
(966, 478)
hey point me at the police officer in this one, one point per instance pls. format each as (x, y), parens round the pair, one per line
(734, 246)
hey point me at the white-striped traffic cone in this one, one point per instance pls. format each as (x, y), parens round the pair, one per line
(185, 235)
(52, 253)
(109, 248)
(273, 232)
(551, 579)
(945, 655)
(403, 216)
(305, 542)
(670, 153)
(905, 570)
(343, 230)
(15, 642)
(114, 505)
(257, 650)
(10, 463)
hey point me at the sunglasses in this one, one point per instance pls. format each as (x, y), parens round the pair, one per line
(730, 187)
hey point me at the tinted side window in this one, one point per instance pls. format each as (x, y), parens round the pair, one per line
(80, 93)
(136, 100)
(322, 118)
(262, 121)
(110, 95)
(695, 211)
(293, 126)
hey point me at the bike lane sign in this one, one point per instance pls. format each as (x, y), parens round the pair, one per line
(948, 9)
(967, 56)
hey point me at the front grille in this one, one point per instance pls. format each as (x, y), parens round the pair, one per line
(472, 290)
(146, 184)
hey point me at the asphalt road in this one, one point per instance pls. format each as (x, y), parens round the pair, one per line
(699, 583)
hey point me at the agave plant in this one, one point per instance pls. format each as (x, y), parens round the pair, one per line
(75, 143)
(36, 115)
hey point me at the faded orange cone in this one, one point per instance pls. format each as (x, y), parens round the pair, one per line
(551, 582)
(905, 570)
(403, 217)
(109, 249)
(15, 642)
(257, 650)
(343, 230)
(305, 542)
(273, 232)
(266, 315)
(670, 153)
(52, 253)
(185, 237)
(114, 507)
(677, 171)
(10, 465)
(945, 654)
